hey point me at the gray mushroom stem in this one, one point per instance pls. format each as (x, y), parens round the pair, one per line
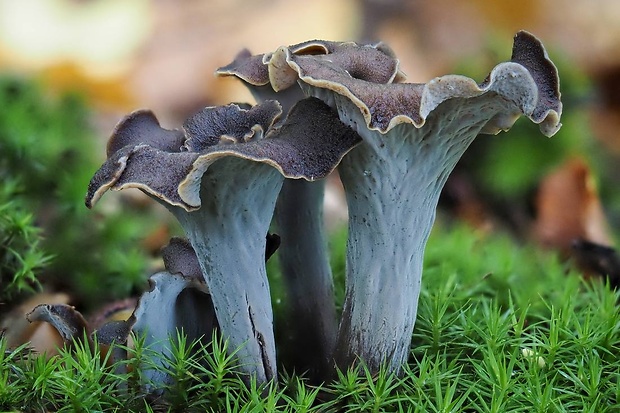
(310, 327)
(228, 236)
(392, 187)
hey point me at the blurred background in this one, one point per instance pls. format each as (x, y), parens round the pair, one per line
(162, 53)
(70, 69)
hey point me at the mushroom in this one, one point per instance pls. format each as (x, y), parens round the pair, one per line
(113, 340)
(220, 177)
(69, 323)
(311, 322)
(177, 301)
(413, 135)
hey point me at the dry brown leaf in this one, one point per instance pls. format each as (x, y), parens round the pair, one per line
(568, 208)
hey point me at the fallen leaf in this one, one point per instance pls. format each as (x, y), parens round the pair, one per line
(568, 209)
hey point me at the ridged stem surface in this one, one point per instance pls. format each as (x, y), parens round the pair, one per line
(228, 234)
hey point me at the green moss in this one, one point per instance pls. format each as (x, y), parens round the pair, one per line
(48, 148)
(501, 327)
(20, 253)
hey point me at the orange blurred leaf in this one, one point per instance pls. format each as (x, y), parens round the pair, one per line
(568, 208)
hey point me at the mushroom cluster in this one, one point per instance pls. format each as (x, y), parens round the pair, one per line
(312, 322)
(413, 135)
(345, 106)
(177, 300)
(220, 176)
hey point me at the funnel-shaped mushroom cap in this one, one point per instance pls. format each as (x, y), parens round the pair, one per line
(309, 145)
(374, 63)
(529, 81)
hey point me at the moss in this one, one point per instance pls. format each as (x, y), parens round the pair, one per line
(501, 327)
(48, 150)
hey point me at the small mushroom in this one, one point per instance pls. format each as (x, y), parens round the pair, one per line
(69, 323)
(220, 177)
(175, 304)
(113, 338)
(413, 135)
(178, 301)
